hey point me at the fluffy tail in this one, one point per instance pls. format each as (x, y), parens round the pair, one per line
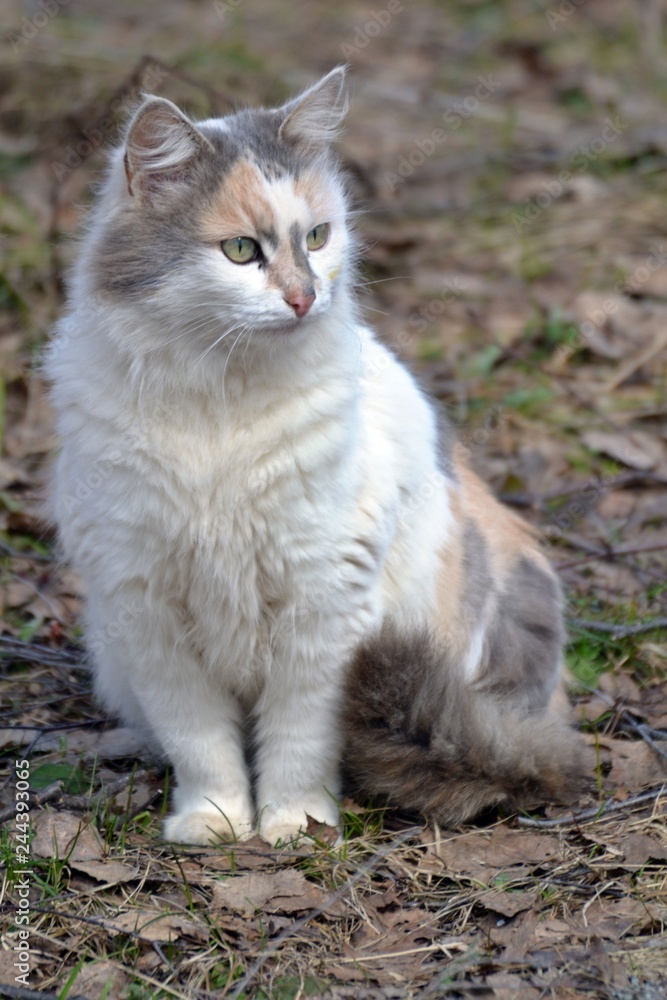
(416, 734)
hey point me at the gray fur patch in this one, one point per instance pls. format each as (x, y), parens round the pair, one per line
(134, 256)
(446, 443)
(144, 246)
(478, 585)
(298, 253)
(525, 640)
(255, 133)
(270, 238)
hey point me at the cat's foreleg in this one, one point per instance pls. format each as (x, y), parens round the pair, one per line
(195, 725)
(212, 798)
(298, 749)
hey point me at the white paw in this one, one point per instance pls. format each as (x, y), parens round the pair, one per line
(287, 826)
(280, 834)
(206, 828)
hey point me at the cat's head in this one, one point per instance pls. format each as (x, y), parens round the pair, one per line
(233, 225)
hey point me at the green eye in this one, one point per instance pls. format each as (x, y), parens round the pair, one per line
(241, 249)
(318, 236)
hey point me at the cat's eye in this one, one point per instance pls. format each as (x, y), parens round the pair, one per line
(318, 236)
(241, 249)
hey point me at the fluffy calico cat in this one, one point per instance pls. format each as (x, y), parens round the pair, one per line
(287, 572)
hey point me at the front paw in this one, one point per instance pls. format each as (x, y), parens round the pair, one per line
(206, 828)
(288, 826)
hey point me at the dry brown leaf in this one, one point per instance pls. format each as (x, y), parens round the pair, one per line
(190, 871)
(66, 836)
(596, 309)
(637, 450)
(654, 702)
(17, 737)
(640, 848)
(655, 346)
(286, 891)
(629, 850)
(635, 765)
(621, 687)
(614, 326)
(107, 871)
(592, 708)
(321, 832)
(248, 855)
(614, 918)
(156, 925)
(8, 970)
(141, 796)
(247, 932)
(549, 929)
(494, 849)
(605, 578)
(515, 936)
(508, 903)
(96, 977)
(115, 744)
(507, 986)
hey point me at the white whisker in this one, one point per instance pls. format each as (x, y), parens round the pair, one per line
(215, 343)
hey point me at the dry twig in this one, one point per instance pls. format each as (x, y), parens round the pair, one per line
(611, 554)
(54, 793)
(618, 631)
(21, 993)
(34, 652)
(595, 812)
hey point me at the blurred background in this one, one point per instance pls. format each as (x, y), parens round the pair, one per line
(508, 163)
(506, 159)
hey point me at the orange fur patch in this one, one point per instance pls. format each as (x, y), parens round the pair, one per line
(241, 207)
(450, 586)
(450, 583)
(508, 536)
(508, 539)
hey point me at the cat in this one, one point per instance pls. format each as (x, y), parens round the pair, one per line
(290, 571)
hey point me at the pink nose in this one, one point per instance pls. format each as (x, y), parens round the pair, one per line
(300, 303)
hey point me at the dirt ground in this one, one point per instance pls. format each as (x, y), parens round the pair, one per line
(508, 161)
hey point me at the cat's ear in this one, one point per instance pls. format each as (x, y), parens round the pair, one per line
(315, 118)
(161, 147)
